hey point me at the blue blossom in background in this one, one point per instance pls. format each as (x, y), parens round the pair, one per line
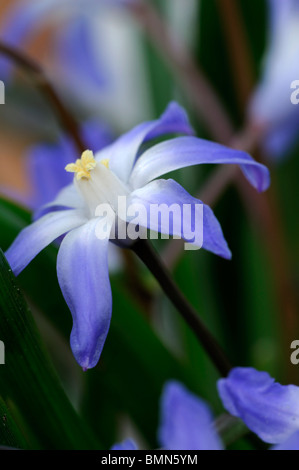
(267, 408)
(121, 169)
(186, 421)
(84, 56)
(271, 108)
(129, 444)
(292, 443)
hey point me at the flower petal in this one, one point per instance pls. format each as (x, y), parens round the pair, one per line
(169, 192)
(292, 443)
(123, 152)
(68, 197)
(280, 137)
(38, 235)
(187, 151)
(46, 167)
(269, 409)
(270, 106)
(82, 269)
(128, 444)
(186, 421)
(74, 51)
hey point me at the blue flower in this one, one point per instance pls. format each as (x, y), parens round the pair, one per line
(186, 421)
(292, 443)
(121, 169)
(128, 444)
(271, 108)
(84, 58)
(267, 408)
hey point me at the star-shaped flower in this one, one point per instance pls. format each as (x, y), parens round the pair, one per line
(122, 169)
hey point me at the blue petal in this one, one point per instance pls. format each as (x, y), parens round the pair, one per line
(128, 444)
(280, 12)
(292, 443)
(96, 134)
(269, 409)
(186, 421)
(123, 152)
(187, 151)
(80, 63)
(46, 167)
(82, 269)
(40, 234)
(270, 107)
(170, 192)
(67, 198)
(280, 138)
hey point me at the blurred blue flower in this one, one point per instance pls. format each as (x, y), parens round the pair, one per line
(270, 410)
(128, 444)
(292, 443)
(84, 54)
(121, 169)
(271, 108)
(26, 18)
(186, 422)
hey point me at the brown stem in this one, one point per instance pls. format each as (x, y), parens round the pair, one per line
(46, 88)
(209, 109)
(238, 49)
(148, 255)
(201, 96)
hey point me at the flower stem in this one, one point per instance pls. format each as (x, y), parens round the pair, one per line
(150, 258)
(238, 50)
(201, 95)
(45, 86)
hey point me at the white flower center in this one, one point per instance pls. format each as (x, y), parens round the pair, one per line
(96, 182)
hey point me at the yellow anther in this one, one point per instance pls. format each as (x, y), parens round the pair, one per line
(83, 165)
(105, 162)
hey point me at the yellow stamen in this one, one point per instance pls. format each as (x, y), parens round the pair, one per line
(105, 162)
(83, 165)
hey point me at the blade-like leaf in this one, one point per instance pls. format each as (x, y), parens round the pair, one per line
(27, 377)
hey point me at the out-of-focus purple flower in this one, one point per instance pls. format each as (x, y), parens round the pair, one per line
(292, 443)
(269, 409)
(186, 420)
(128, 444)
(121, 170)
(271, 108)
(85, 53)
(26, 18)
